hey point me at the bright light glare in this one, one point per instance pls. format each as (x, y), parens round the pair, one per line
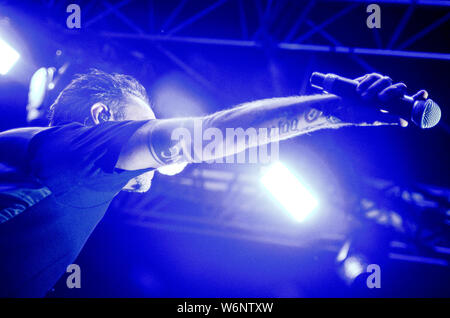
(8, 57)
(353, 267)
(38, 83)
(172, 169)
(289, 191)
(343, 253)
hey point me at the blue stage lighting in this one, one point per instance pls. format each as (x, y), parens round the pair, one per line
(289, 191)
(353, 267)
(8, 57)
(38, 87)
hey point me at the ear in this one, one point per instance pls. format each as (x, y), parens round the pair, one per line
(96, 110)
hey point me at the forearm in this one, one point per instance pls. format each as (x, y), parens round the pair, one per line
(161, 142)
(283, 117)
(166, 141)
(247, 125)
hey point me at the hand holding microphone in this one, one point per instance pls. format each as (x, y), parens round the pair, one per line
(370, 94)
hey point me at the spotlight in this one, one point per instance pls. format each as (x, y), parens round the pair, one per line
(289, 191)
(8, 57)
(352, 260)
(353, 267)
(40, 83)
(350, 265)
(38, 86)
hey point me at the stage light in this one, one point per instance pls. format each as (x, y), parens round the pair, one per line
(289, 191)
(343, 253)
(38, 86)
(353, 266)
(8, 57)
(40, 83)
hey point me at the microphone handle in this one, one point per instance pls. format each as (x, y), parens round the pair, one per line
(346, 88)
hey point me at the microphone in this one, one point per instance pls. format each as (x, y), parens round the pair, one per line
(423, 113)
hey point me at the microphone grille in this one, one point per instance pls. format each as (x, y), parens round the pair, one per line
(431, 114)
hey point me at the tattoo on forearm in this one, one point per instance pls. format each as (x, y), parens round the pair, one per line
(295, 124)
(270, 120)
(312, 115)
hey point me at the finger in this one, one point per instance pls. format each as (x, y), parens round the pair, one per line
(367, 81)
(359, 79)
(420, 95)
(377, 87)
(392, 92)
(403, 123)
(368, 116)
(389, 119)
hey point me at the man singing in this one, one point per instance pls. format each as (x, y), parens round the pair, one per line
(56, 182)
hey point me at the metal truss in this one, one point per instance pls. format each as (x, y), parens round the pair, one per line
(438, 3)
(219, 202)
(268, 12)
(229, 203)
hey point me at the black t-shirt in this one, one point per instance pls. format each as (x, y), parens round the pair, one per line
(51, 198)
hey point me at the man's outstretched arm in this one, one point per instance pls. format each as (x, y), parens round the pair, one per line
(160, 142)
